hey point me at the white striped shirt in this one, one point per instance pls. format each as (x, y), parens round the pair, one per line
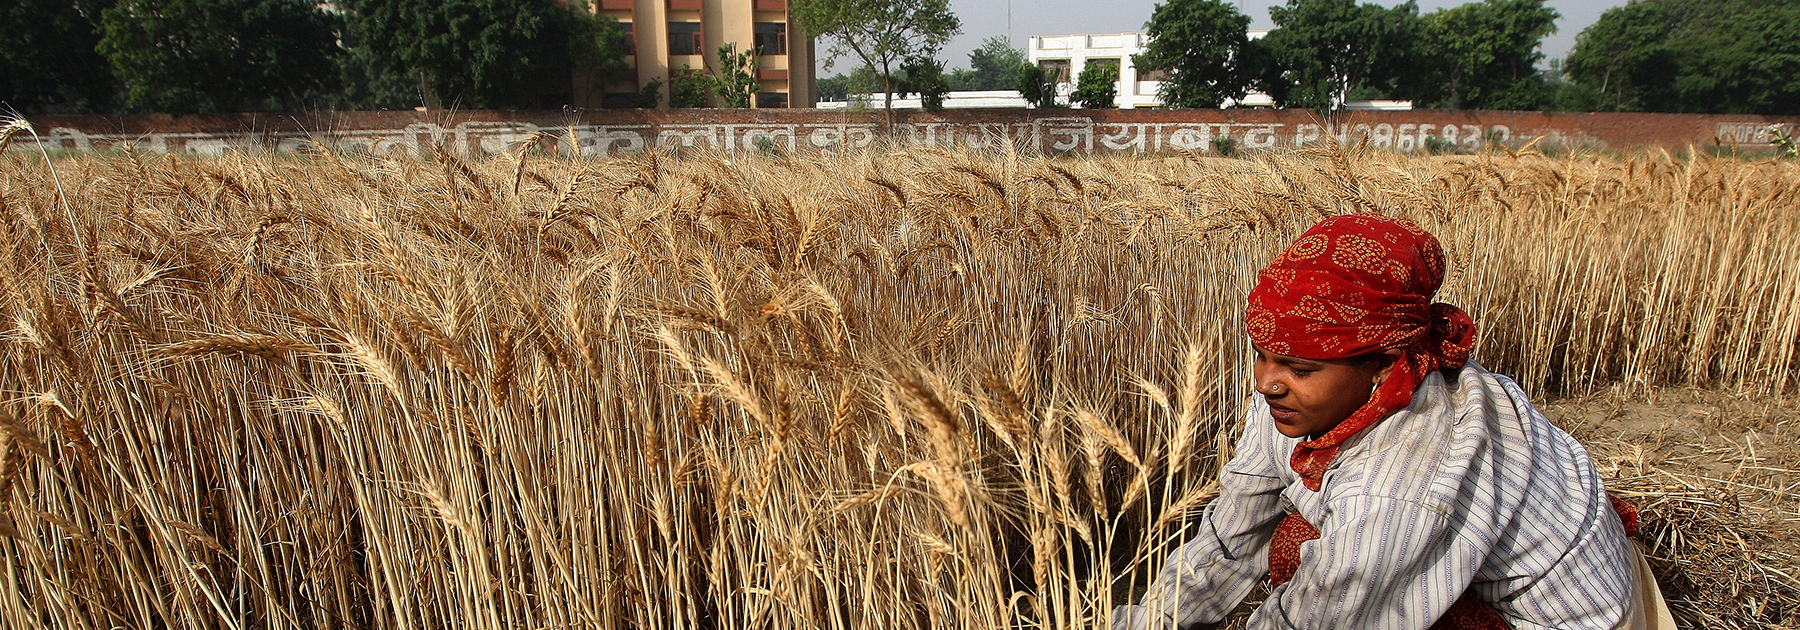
(1468, 488)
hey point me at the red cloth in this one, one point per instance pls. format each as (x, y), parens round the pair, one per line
(1466, 613)
(1353, 285)
(1628, 515)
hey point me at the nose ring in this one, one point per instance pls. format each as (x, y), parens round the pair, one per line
(1275, 389)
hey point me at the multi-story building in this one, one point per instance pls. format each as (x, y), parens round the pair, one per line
(666, 35)
(1063, 57)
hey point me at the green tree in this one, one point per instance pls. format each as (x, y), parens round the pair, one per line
(882, 34)
(1035, 86)
(842, 86)
(1259, 68)
(688, 87)
(1327, 48)
(649, 96)
(995, 65)
(1098, 84)
(925, 76)
(1624, 57)
(1742, 63)
(188, 56)
(47, 56)
(1720, 56)
(1484, 55)
(1194, 43)
(736, 83)
(478, 53)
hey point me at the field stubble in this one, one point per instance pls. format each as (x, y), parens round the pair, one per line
(945, 390)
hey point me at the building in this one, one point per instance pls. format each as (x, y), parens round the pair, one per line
(664, 35)
(981, 99)
(1063, 57)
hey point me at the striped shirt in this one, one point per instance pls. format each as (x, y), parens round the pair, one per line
(1467, 489)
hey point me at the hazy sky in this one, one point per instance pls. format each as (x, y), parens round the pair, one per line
(985, 18)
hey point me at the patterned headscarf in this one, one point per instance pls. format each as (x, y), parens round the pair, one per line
(1350, 286)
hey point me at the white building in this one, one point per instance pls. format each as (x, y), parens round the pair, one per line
(1064, 56)
(952, 100)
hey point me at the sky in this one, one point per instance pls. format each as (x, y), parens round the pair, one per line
(985, 18)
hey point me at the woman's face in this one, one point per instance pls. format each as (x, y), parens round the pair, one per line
(1309, 397)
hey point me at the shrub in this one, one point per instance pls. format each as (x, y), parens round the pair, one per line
(1224, 145)
(1036, 87)
(688, 87)
(1098, 84)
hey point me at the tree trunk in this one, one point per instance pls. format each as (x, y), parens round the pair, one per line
(428, 95)
(887, 92)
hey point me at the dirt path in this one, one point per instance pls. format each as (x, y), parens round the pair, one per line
(1715, 476)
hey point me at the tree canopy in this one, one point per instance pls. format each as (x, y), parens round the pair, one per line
(839, 87)
(1484, 55)
(993, 66)
(1196, 43)
(476, 53)
(1725, 56)
(882, 34)
(47, 56)
(1327, 48)
(198, 56)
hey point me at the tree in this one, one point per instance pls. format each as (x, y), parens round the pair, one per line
(479, 53)
(880, 33)
(197, 56)
(649, 96)
(1259, 68)
(995, 65)
(688, 87)
(842, 86)
(736, 84)
(1326, 48)
(1485, 55)
(1194, 42)
(1098, 84)
(1036, 88)
(1624, 57)
(1742, 63)
(1720, 56)
(925, 77)
(47, 57)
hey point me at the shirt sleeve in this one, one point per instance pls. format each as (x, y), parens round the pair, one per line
(1207, 577)
(1378, 563)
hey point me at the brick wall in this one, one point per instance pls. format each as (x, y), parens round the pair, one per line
(1051, 131)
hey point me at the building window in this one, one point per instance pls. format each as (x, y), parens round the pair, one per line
(771, 100)
(1055, 70)
(771, 38)
(684, 39)
(628, 41)
(1158, 74)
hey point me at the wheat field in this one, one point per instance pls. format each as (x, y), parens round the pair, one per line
(909, 389)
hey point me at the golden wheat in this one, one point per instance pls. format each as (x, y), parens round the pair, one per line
(944, 390)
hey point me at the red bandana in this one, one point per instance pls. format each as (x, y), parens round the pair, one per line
(1350, 286)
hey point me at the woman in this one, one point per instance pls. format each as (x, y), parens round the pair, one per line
(1385, 481)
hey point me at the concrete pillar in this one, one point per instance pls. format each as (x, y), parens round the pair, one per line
(803, 87)
(651, 28)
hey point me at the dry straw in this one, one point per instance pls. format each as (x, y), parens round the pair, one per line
(926, 389)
